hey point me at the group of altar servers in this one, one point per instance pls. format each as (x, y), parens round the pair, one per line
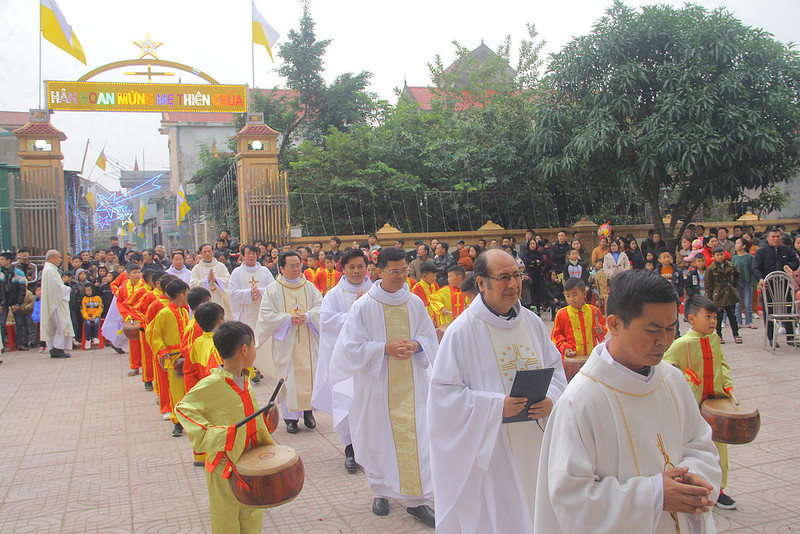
(622, 449)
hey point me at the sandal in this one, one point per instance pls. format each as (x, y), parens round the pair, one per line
(753, 326)
(721, 341)
(133, 372)
(737, 340)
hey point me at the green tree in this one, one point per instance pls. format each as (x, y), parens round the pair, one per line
(671, 103)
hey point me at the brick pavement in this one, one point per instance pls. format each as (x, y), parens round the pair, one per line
(84, 449)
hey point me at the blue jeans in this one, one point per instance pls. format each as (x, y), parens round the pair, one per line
(91, 328)
(19, 324)
(745, 292)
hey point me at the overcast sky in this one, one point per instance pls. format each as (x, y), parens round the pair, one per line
(393, 40)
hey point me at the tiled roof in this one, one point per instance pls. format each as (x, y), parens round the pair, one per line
(44, 129)
(13, 119)
(421, 95)
(260, 130)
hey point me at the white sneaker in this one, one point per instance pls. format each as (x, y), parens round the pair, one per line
(96, 341)
(166, 416)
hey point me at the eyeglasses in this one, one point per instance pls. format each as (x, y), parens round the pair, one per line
(397, 272)
(506, 278)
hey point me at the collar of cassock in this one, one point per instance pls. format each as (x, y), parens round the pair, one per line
(292, 284)
(485, 313)
(353, 288)
(397, 298)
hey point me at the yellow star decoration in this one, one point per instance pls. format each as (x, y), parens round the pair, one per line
(148, 47)
(520, 362)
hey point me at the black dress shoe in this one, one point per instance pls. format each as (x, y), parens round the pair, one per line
(291, 426)
(58, 353)
(177, 430)
(148, 386)
(380, 506)
(424, 513)
(308, 420)
(350, 460)
(117, 350)
(199, 464)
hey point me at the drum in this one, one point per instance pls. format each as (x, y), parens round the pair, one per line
(131, 329)
(274, 473)
(730, 423)
(572, 365)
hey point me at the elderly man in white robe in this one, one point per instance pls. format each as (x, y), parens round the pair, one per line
(484, 470)
(387, 345)
(626, 449)
(56, 323)
(213, 276)
(287, 337)
(335, 306)
(178, 266)
(247, 286)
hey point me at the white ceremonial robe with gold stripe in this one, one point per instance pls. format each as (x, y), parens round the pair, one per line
(609, 439)
(387, 416)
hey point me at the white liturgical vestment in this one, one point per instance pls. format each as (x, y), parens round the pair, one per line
(484, 470)
(286, 350)
(184, 274)
(56, 322)
(219, 289)
(240, 288)
(335, 306)
(387, 415)
(607, 442)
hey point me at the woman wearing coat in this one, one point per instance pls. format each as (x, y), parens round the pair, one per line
(615, 261)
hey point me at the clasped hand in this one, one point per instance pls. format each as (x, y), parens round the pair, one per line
(686, 492)
(298, 319)
(402, 349)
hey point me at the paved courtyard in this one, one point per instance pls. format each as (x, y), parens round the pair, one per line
(84, 449)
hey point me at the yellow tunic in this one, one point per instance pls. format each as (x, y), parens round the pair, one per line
(448, 298)
(702, 362)
(165, 340)
(209, 413)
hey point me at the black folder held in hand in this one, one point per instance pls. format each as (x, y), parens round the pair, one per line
(532, 384)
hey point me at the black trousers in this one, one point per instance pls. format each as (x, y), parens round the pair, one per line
(731, 311)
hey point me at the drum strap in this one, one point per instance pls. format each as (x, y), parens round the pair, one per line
(708, 368)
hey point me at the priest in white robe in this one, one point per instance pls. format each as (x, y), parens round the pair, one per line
(247, 286)
(178, 267)
(483, 469)
(213, 276)
(387, 346)
(287, 337)
(626, 449)
(335, 306)
(56, 322)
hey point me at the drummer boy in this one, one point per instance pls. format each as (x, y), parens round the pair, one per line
(689, 353)
(209, 413)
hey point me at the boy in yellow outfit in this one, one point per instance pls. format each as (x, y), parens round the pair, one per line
(450, 302)
(579, 326)
(210, 412)
(166, 334)
(699, 355)
(426, 287)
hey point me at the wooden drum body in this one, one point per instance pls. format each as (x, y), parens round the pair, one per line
(572, 365)
(274, 473)
(730, 423)
(131, 329)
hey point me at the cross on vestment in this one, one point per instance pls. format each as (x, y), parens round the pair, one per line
(253, 285)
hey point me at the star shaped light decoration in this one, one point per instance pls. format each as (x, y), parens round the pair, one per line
(148, 47)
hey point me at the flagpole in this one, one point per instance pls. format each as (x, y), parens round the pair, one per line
(85, 150)
(39, 88)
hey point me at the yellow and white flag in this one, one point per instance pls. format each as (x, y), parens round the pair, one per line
(56, 30)
(91, 199)
(182, 205)
(101, 160)
(142, 212)
(263, 33)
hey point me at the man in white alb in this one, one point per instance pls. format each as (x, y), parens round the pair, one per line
(178, 267)
(247, 285)
(335, 306)
(483, 469)
(56, 321)
(387, 346)
(626, 449)
(287, 337)
(213, 276)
